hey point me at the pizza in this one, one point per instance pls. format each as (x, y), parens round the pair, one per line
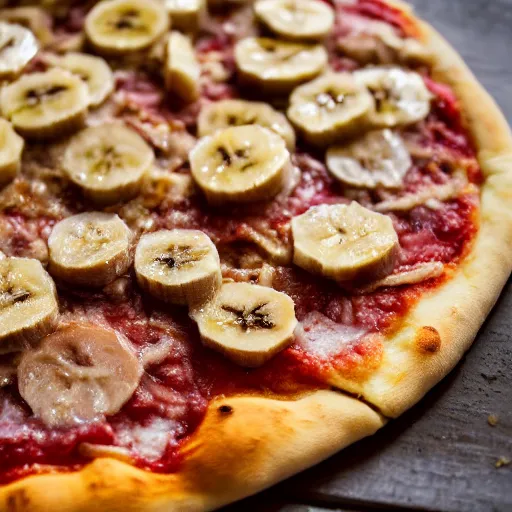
(235, 238)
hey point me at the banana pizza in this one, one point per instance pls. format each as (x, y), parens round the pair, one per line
(235, 237)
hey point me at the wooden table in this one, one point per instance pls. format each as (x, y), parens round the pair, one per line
(441, 454)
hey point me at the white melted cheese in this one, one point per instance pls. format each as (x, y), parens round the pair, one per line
(149, 441)
(320, 336)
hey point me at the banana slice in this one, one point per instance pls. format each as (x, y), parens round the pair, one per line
(222, 114)
(182, 68)
(28, 303)
(18, 47)
(296, 19)
(240, 164)
(11, 147)
(378, 159)
(45, 105)
(185, 14)
(108, 162)
(122, 26)
(181, 266)
(78, 374)
(332, 107)
(34, 19)
(94, 71)
(401, 97)
(344, 243)
(278, 66)
(89, 249)
(247, 323)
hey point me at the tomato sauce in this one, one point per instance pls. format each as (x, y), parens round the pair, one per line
(173, 396)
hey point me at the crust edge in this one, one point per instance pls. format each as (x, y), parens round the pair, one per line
(258, 442)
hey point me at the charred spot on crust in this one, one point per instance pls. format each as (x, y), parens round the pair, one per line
(17, 500)
(428, 340)
(226, 409)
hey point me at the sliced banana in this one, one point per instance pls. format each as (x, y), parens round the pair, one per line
(78, 374)
(18, 46)
(224, 113)
(122, 26)
(45, 105)
(94, 71)
(28, 303)
(34, 18)
(344, 243)
(240, 164)
(89, 249)
(329, 108)
(108, 162)
(185, 14)
(247, 323)
(182, 69)
(180, 266)
(278, 66)
(296, 19)
(401, 97)
(377, 159)
(11, 147)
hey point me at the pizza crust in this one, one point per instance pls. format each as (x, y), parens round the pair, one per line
(256, 441)
(244, 445)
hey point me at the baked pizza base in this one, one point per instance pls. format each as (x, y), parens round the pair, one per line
(247, 443)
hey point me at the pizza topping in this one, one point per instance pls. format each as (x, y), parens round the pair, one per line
(180, 266)
(94, 71)
(248, 323)
(28, 303)
(34, 19)
(344, 243)
(240, 164)
(412, 275)
(319, 335)
(11, 146)
(296, 19)
(401, 97)
(375, 42)
(225, 113)
(378, 159)
(89, 249)
(182, 68)
(18, 47)
(430, 196)
(185, 14)
(278, 66)
(329, 108)
(94, 451)
(123, 26)
(45, 105)
(108, 162)
(78, 374)
(268, 242)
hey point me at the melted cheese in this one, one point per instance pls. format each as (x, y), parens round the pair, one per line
(320, 336)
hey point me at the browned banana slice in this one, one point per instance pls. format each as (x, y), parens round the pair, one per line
(89, 249)
(248, 323)
(345, 242)
(78, 374)
(28, 303)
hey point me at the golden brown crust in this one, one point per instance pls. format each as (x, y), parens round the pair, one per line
(248, 443)
(244, 445)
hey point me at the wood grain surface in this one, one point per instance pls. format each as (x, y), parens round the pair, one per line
(440, 455)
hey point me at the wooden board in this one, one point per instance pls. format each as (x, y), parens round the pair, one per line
(441, 454)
